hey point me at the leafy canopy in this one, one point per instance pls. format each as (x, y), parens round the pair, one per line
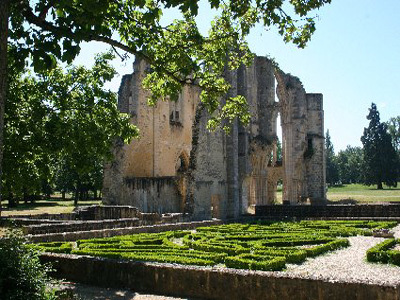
(350, 163)
(178, 53)
(394, 130)
(60, 119)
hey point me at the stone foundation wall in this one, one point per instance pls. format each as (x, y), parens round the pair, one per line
(329, 211)
(152, 194)
(208, 283)
(45, 218)
(93, 212)
(78, 235)
(80, 226)
(89, 225)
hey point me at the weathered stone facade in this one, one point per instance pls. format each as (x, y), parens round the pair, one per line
(179, 166)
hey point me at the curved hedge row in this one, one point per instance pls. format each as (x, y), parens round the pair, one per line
(264, 246)
(383, 252)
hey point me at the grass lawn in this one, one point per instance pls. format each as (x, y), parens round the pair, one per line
(49, 206)
(363, 193)
(358, 193)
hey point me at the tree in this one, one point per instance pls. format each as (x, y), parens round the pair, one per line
(350, 165)
(279, 156)
(26, 159)
(332, 173)
(61, 122)
(380, 158)
(46, 30)
(394, 130)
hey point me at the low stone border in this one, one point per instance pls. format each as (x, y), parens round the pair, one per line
(73, 236)
(208, 283)
(80, 226)
(370, 211)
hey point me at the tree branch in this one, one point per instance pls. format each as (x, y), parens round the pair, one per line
(61, 32)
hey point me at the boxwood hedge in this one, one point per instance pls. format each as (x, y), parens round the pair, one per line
(259, 246)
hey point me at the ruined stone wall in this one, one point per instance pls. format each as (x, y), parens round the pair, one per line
(147, 172)
(292, 98)
(303, 141)
(154, 155)
(177, 165)
(231, 170)
(315, 166)
(209, 186)
(152, 194)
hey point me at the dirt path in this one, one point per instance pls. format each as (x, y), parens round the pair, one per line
(87, 292)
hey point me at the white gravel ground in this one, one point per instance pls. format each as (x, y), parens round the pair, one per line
(348, 264)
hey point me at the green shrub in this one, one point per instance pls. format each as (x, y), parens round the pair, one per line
(380, 253)
(22, 276)
(252, 262)
(333, 245)
(293, 256)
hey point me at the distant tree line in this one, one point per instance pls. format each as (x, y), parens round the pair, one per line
(376, 163)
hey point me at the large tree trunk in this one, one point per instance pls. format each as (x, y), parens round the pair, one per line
(380, 186)
(76, 198)
(4, 15)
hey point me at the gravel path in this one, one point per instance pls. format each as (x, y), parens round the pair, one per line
(348, 264)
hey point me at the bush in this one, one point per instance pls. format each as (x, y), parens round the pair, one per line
(294, 256)
(381, 253)
(254, 262)
(22, 276)
(317, 250)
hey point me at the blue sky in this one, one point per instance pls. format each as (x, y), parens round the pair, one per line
(352, 58)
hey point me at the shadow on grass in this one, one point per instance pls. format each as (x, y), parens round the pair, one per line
(360, 187)
(37, 205)
(343, 201)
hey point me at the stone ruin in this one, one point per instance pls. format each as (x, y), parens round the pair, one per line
(177, 165)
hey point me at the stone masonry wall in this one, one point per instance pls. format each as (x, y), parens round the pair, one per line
(315, 166)
(89, 233)
(209, 186)
(329, 211)
(157, 160)
(303, 141)
(208, 283)
(179, 166)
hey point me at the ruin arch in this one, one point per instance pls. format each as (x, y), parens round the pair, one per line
(182, 162)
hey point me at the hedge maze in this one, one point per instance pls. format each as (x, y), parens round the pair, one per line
(264, 246)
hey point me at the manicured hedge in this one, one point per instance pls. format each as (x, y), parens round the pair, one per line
(320, 249)
(260, 246)
(382, 252)
(254, 262)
